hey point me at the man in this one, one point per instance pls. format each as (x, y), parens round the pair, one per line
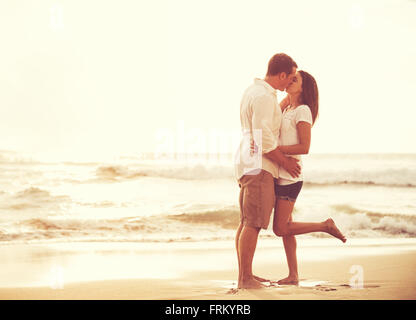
(260, 117)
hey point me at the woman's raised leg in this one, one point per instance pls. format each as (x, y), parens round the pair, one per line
(283, 227)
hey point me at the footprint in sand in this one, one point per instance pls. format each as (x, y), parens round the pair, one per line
(308, 284)
(322, 288)
(347, 286)
(303, 284)
(342, 286)
(232, 291)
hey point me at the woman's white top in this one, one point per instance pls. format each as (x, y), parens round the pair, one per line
(289, 136)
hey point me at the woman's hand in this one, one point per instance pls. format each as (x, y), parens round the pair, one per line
(290, 164)
(292, 167)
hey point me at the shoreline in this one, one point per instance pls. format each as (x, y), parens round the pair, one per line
(205, 270)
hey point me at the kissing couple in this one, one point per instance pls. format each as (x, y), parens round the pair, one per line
(268, 165)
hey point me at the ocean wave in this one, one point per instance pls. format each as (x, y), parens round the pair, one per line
(117, 172)
(193, 226)
(125, 229)
(32, 192)
(375, 225)
(197, 172)
(351, 220)
(226, 218)
(358, 183)
(349, 209)
(388, 177)
(319, 170)
(383, 177)
(14, 157)
(32, 198)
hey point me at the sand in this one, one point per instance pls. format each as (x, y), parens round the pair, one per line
(207, 270)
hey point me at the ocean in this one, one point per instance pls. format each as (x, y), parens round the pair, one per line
(143, 199)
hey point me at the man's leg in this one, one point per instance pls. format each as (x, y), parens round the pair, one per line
(240, 227)
(257, 200)
(247, 247)
(237, 245)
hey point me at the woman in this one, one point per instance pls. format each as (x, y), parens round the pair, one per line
(294, 140)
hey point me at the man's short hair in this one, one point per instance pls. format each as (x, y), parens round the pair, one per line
(280, 62)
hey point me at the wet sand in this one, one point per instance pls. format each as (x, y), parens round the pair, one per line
(328, 269)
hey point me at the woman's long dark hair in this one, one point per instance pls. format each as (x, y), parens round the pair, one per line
(310, 94)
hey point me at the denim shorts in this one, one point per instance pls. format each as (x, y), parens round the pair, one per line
(289, 191)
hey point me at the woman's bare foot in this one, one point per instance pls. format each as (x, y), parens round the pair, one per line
(251, 283)
(290, 280)
(260, 279)
(332, 229)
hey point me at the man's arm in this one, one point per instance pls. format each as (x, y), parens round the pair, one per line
(288, 163)
(263, 110)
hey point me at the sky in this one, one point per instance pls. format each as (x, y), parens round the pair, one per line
(97, 78)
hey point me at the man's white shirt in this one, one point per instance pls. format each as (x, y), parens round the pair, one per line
(260, 117)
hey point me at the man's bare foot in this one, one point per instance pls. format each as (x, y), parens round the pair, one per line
(289, 281)
(333, 230)
(251, 283)
(256, 278)
(260, 279)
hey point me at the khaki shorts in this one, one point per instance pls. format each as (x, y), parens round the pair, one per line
(257, 199)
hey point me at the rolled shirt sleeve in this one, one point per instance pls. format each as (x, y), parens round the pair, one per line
(264, 111)
(303, 113)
